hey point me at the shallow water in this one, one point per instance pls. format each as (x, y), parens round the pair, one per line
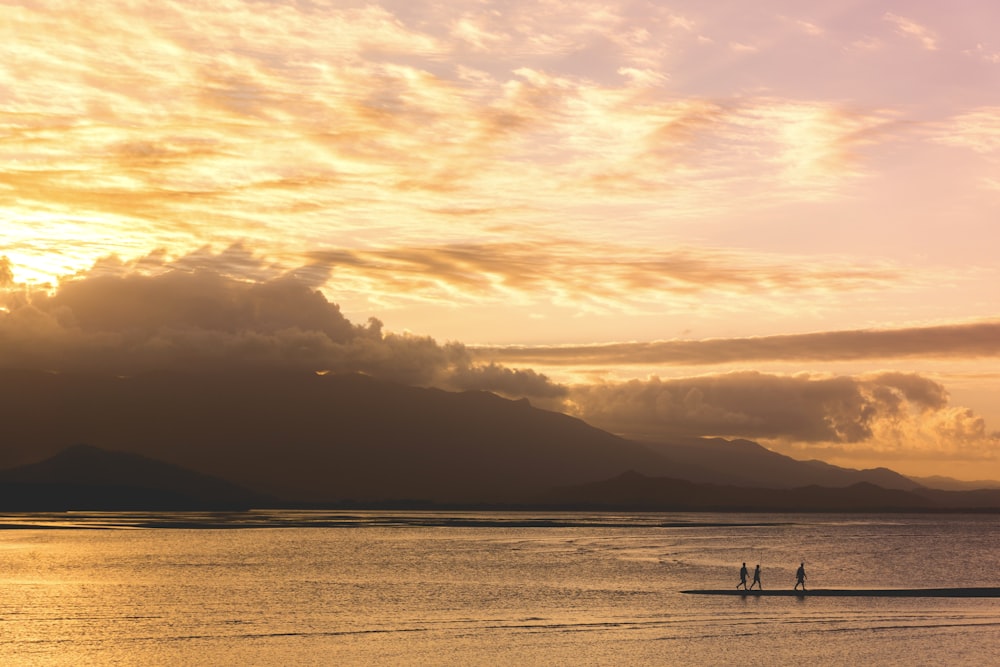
(317, 588)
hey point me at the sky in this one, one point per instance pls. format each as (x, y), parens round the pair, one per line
(775, 220)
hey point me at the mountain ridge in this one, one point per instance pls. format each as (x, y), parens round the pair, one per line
(737, 461)
(637, 492)
(349, 438)
(83, 477)
(87, 477)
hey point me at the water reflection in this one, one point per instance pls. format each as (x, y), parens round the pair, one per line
(338, 518)
(485, 588)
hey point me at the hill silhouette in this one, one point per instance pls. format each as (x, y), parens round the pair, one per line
(746, 463)
(634, 491)
(318, 438)
(307, 438)
(86, 477)
(949, 484)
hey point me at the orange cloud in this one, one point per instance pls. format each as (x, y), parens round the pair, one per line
(231, 311)
(563, 270)
(883, 412)
(173, 126)
(6, 273)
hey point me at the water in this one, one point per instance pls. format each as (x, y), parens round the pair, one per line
(329, 588)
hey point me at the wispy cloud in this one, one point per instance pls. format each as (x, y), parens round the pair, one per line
(563, 271)
(808, 27)
(286, 124)
(740, 47)
(959, 341)
(978, 130)
(927, 38)
(985, 53)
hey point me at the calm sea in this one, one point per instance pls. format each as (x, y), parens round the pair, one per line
(352, 588)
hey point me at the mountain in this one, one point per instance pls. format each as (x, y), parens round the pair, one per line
(634, 491)
(746, 463)
(973, 499)
(316, 438)
(85, 477)
(340, 438)
(950, 484)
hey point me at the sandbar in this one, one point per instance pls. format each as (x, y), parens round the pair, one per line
(859, 592)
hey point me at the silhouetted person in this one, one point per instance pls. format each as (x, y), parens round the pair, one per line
(756, 578)
(800, 577)
(743, 577)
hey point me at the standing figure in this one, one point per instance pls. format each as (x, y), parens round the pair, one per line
(743, 577)
(800, 577)
(756, 578)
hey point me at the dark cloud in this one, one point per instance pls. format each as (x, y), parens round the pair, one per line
(143, 306)
(980, 339)
(126, 319)
(120, 321)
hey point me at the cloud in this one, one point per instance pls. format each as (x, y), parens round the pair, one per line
(6, 273)
(808, 27)
(978, 130)
(985, 54)
(740, 47)
(228, 312)
(910, 28)
(643, 77)
(562, 270)
(172, 125)
(130, 318)
(969, 341)
(814, 146)
(889, 412)
(507, 381)
(867, 43)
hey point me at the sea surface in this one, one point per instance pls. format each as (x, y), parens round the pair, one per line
(424, 588)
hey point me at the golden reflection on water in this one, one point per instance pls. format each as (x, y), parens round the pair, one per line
(474, 588)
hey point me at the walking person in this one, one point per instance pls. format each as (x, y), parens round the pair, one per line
(800, 577)
(743, 577)
(756, 578)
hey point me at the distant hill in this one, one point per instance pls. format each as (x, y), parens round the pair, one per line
(746, 463)
(634, 491)
(950, 484)
(303, 437)
(87, 478)
(315, 438)
(84, 477)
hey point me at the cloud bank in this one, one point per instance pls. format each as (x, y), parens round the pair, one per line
(124, 319)
(889, 411)
(125, 322)
(969, 341)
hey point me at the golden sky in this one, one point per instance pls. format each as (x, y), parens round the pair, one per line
(774, 220)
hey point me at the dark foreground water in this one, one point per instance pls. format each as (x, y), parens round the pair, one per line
(329, 588)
